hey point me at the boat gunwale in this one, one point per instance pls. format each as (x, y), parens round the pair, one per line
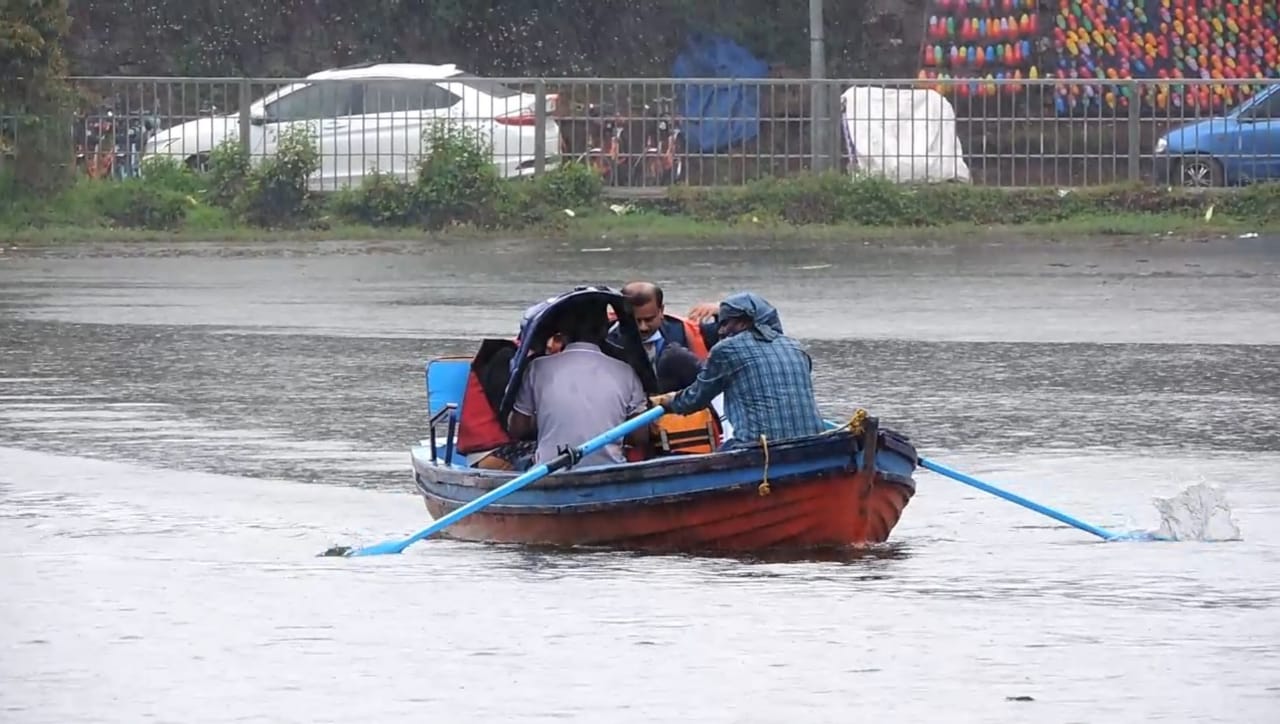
(881, 478)
(790, 451)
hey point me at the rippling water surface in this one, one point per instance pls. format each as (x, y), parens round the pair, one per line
(182, 430)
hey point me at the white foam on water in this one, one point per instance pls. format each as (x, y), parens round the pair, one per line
(1199, 513)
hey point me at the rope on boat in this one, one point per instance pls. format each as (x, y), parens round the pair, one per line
(854, 426)
(764, 488)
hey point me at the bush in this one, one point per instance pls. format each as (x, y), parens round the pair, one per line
(227, 171)
(275, 193)
(457, 182)
(139, 204)
(835, 198)
(379, 200)
(168, 173)
(570, 185)
(543, 199)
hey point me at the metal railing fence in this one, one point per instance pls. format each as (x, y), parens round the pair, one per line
(659, 132)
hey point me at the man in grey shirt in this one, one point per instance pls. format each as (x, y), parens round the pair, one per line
(578, 393)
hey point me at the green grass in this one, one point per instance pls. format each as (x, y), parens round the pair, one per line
(174, 205)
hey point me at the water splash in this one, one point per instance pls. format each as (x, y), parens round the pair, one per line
(1198, 513)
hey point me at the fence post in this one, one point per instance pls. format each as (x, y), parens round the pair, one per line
(1135, 131)
(540, 123)
(835, 126)
(246, 122)
(818, 125)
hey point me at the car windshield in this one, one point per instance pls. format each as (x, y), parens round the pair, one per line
(485, 85)
(1266, 109)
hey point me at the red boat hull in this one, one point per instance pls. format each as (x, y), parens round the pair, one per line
(827, 511)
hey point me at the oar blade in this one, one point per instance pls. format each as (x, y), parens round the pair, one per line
(386, 548)
(566, 460)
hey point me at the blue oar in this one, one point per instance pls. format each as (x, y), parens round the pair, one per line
(1011, 497)
(565, 460)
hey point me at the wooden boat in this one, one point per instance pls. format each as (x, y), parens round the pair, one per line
(845, 487)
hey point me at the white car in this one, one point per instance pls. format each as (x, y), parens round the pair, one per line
(373, 117)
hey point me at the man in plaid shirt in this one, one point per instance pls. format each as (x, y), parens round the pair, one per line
(766, 377)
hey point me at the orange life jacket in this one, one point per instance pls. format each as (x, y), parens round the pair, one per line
(692, 434)
(693, 336)
(478, 427)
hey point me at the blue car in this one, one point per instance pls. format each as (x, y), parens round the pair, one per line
(1239, 148)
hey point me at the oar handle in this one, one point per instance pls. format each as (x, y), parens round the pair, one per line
(566, 459)
(1015, 498)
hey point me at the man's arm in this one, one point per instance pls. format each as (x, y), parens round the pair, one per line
(637, 403)
(521, 426)
(520, 423)
(711, 381)
(707, 316)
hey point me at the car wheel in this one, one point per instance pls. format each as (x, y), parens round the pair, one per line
(1200, 172)
(198, 163)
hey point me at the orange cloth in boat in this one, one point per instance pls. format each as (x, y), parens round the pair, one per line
(692, 434)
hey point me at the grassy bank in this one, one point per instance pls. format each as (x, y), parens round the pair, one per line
(457, 195)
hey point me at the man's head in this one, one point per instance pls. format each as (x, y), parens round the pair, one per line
(646, 304)
(583, 322)
(556, 343)
(745, 310)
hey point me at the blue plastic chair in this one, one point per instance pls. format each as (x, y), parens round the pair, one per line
(446, 381)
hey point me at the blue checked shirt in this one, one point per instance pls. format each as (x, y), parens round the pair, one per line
(767, 386)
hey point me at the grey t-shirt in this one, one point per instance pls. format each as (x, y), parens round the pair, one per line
(577, 394)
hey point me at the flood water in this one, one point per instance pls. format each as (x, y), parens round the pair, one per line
(183, 429)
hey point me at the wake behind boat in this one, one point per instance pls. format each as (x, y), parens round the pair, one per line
(844, 487)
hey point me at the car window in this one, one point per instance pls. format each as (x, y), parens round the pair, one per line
(318, 101)
(1268, 109)
(394, 96)
(485, 85)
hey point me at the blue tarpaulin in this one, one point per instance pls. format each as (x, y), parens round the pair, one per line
(715, 116)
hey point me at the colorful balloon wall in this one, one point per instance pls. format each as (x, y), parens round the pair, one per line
(1167, 39)
(985, 40)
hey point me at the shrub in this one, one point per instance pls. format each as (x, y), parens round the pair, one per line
(379, 200)
(169, 173)
(140, 204)
(570, 185)
(275, 192)
(227, 171)
(457, 182)
(1260, 202)
(833, 198)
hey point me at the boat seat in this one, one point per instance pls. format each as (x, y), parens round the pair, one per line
(446, 380)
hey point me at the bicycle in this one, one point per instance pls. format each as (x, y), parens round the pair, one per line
(658, 164)
(603, 157)
(113, 149)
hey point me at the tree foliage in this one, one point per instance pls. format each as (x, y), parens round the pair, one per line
(496, 37)
(33, 90)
